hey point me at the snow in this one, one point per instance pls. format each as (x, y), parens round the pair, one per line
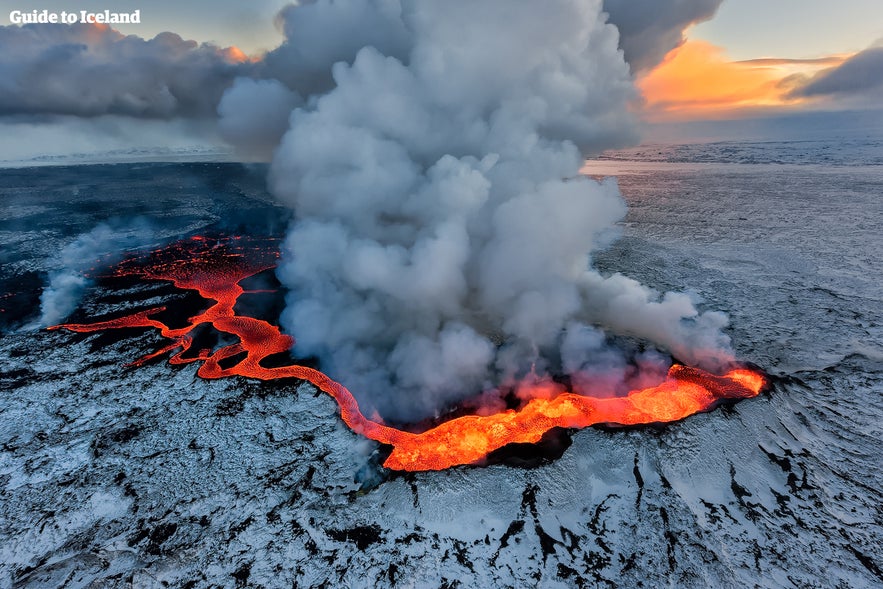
(119, 477)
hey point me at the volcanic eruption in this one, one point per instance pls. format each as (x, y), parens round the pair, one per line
(440, 260)
(444, 236)
(215, 268)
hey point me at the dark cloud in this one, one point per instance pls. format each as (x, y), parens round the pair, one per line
(651, 28)
(91, 70)
(858, 76)
(773, 61)
(319, 34)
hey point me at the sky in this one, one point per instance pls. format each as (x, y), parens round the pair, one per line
(750, 29)
(753, 58)
(746, 29)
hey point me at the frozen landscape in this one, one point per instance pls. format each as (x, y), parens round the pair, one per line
(113, 476)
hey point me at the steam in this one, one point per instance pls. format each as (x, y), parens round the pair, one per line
(103, 244)
(444, 235)
(254, 116)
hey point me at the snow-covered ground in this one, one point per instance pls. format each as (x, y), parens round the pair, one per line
(151, 477)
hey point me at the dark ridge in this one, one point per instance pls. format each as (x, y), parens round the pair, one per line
(639, 480)
(514, 528)
(232, 361)
(361, 536)
(14, 379)
(550, 448)
(287, 359)
(547, 542)
(206, 337)
(115, 437)
(178, 315)
(670, 538)
(865, 560)
(241, 575)
(159, 535)
(568, 574)
(264, 297)
(19, 299)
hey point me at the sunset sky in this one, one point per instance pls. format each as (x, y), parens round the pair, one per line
(752, 56)
(753, 59)
(746, 61)
(746, 29)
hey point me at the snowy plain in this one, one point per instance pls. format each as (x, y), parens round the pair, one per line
(119, 477)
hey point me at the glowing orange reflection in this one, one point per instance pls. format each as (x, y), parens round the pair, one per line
(215, 269)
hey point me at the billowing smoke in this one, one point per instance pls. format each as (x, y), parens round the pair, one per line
(319, 34)
(93, 70)
(444, 235)
(254, 115)
(651, 28)
(104, 244)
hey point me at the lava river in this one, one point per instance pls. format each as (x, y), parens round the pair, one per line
(215, 268)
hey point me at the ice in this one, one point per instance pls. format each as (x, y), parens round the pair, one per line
(120, 477)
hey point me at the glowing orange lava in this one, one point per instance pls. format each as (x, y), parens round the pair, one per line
(216, 268)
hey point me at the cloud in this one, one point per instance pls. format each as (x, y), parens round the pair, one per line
(859, 76)
(93, 70)
(431, 153)
(697, 80)
(830, 60)
(319, 34)
(444, 235)
(649, 29)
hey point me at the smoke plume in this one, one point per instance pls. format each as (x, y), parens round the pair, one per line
(651, 28)
(444, 235)
(103, 244)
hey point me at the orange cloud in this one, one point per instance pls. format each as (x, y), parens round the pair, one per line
(234, 54)
(696, 80)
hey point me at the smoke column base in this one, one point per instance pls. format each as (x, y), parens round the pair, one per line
(215, 269)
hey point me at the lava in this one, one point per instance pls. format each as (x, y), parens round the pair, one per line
(215, 269)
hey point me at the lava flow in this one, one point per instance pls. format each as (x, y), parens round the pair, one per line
(216, 268)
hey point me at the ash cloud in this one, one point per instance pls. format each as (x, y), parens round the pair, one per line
(104, 245)
(444, 234)
(649, 29)
(92, 70)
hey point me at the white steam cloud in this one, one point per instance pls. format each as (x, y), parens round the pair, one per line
(444, 234)
(103, 244)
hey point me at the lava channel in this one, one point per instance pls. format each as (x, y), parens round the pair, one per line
(215, 269)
